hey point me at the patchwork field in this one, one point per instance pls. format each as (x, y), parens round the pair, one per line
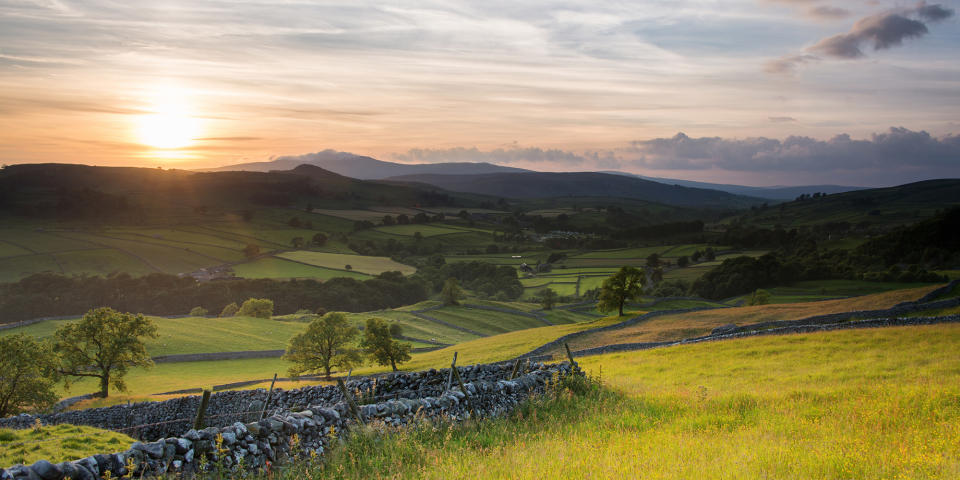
(358, 263)
(879, 403)
(273, 267)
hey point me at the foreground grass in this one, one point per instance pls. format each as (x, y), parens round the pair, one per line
(58, 443)
(881, 403)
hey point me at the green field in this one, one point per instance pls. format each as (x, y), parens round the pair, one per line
(359, 263)
(272, 267)
(411, 229)
(58, 443)
(879, 403)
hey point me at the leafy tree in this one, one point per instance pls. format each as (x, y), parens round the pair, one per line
(198, 312)
(451, 292)
(380, 344)
(388, 221)
(319, 239)
(325, 345)
(257, 308)
(696, 256)
(759, 297)
(28, 371)
(295, 222)
(653, 260)
(297, 242)
(229, 310)
(104, 344)
(709, 254)
(683, 261)
(403, 219)
(624, 285)
(252, 250)
(656, 276)
(417, 237)
(548, 298)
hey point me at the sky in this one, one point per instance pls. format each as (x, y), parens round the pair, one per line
(757, 92)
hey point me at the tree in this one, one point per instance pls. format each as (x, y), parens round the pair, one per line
(451, 292)
(759, 297)
(327, 344)
(624, 285)
(104, 344)
(380, 344)
(548, 298)
(296, 242)
(252, 250)
(656, 276)
(653, 260)
(27, 375)
(198, 312)
(295, 222)
(388, 220)
(257, 308)
(709, 254)
(319, 239)
(229, 310)
(683, 261)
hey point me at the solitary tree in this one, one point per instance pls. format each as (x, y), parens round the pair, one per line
(683, 261)
(451, 292)
(624, 285)
(327, 344)
(653, 260)
(229, 310)
(548, 298)
(296, 242)
(759, 297)
(104, 344)
(709, 254)
(380, 344)
(27, 374)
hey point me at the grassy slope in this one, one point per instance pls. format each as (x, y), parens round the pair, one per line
(58, 443)
(675, 327)
(880, 403)
(359, 263)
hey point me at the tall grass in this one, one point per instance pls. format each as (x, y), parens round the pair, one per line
(860, 404)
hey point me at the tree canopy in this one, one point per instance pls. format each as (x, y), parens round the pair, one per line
(626, 284)
(380, 343)
(328, 343)
(104, 344)
(27, 374)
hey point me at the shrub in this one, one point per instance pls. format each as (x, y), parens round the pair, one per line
(229, 310)
(198, 312)
(256, 307)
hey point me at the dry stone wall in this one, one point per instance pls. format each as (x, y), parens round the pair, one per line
(308, 428)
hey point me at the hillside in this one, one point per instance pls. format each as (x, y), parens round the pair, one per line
(366, 168)
(772, 193)
(526, 185)
(889, 206)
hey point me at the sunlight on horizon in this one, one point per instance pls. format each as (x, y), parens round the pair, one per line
(171, 125)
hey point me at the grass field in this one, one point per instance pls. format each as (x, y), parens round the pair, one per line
(58, 443)
(273, 267)
(685, 325)
(359, 263)
(879, 403)
(410, 230)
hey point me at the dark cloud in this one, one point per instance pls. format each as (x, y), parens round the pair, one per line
(897, 148)
(882, 31)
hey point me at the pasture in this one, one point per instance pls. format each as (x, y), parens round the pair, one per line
(279, 268)
(339, 261)
(877, 403)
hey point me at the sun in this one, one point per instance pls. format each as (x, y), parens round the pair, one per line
(170, 126)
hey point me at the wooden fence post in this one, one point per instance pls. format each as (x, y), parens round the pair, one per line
(269, 396)
(198, 423)
(466, 395)
(349, 399)
(516, 369)
(573, 363)
(453, 366)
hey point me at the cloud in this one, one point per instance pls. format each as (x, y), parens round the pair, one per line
(512, 156)
(781, 119)
(788, 63)
(897, 148)
(882, 31)
(825, 12)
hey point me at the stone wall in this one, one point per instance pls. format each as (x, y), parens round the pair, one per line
(306, 430)
(175, 416)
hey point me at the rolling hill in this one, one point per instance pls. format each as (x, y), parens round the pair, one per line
(525, 185)
(772, 193)
(366, 168)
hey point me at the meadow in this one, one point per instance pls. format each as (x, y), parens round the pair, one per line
(58, 443)
(878, 403)
(358, 263)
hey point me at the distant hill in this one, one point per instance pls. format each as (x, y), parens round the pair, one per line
(525, 185)
(366, 168)
(772, 193)
(889, 206)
